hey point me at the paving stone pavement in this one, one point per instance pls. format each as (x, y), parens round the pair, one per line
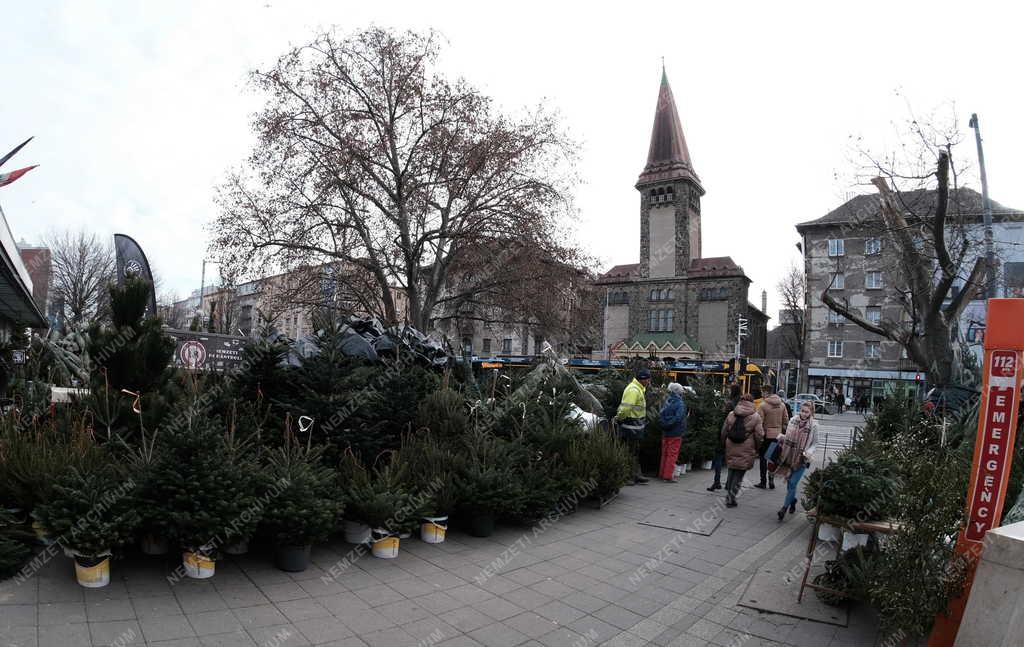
(595, 577)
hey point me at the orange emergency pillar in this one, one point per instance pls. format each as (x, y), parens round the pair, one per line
(993, 449)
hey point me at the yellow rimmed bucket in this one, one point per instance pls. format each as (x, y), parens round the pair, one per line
(197, 565)
(433, 529)
(92, 572)
(385, 544)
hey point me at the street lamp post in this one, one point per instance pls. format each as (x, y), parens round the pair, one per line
(990, 274)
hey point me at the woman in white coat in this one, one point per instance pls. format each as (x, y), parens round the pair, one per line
(798, 446)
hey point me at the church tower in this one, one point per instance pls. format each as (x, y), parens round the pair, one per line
(670, 193)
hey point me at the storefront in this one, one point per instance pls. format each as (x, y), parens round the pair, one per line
(854, 382)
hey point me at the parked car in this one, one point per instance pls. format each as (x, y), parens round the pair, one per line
(821, 405)
(949, 400)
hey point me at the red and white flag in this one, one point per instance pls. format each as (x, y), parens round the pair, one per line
(7, 178)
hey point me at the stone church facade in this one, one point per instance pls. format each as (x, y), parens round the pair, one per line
(675, 303)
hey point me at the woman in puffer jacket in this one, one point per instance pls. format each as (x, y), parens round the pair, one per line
(740, 455)
(775, 419)
(673, 425)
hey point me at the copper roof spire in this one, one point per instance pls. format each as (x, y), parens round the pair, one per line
(668, 157)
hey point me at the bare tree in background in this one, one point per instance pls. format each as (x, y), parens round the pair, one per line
(792, 287)
(928, 224)
(368, 157)
(83, 268)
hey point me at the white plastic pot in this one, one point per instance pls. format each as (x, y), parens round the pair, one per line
(854, 539)
(197, 565)
(356, 533)
(828, 532)
(385, 544)
(92, 572)
(433, 529)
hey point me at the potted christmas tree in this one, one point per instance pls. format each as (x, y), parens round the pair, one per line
(305, 505)
(430, 466)
(198, 490)
(378, 498)
(488, 485)
(92, 512)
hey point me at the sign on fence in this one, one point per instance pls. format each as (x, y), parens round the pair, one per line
(201, 351)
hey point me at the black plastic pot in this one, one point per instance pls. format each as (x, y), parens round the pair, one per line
(482, 525)
(292, 558)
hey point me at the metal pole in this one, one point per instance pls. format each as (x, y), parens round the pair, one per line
(202, 287)
(990, 266)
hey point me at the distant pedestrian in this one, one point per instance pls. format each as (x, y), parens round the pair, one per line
(798, 446)
(632, 418)
(673, 426)
(742, 435)
(838, 399)
(716, 463)
(785, 401)
(774, 417)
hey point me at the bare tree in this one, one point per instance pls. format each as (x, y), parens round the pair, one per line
(927, 230)
(83, 268)
(792, 287)
(369, 157)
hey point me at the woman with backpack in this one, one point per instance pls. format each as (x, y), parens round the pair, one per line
(673, 426)
(742, 434)
(798, 446)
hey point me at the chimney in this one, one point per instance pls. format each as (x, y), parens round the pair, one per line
(764, 301)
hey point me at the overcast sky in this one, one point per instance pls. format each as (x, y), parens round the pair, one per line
(139, 108)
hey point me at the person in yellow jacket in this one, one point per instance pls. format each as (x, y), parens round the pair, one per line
(632, 418)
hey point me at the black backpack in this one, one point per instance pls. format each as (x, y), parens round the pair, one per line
(738, 434)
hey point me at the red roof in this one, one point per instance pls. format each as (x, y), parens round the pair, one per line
(620, 273)
(718, 266)
(668, 157)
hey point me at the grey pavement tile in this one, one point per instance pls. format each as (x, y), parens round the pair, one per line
(459, 641)
(469, 593)
(158, 628)
(584, 602)
(200, 600)
(208, 623)
(243, 596)
(552, 588)
(531, 624)
(431, 630)
(403, 611)
(438, 603)
(498, 608)
(527, 598)
(378, 594)
(18, 615)
(177, 642)
(19, 636)
(296, 610)
(362, 621)
(317, 587)
(560, 612)
(342, 602)
(415, 587)
(284, 591)
(69, 635)
(323, 630)
(105, 610)
(154, 606)
(119, 631)
(394, 637)
(264, 615)
(498, 635)
(561, 637)
(618, 616)
(284, 635)
(233, 639)
(466, 619)
(27, 592)
(595, 629)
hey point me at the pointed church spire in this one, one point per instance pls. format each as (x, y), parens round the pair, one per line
(668, 158)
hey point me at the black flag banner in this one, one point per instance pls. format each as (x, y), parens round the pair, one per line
(131, 261)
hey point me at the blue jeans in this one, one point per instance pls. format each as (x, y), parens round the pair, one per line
(794, 480)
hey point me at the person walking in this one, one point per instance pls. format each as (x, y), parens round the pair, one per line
(716, 463)
(632, 418)
(798, 446)
(775, 418)
(742, 435)
(673, 426)
(785, 401)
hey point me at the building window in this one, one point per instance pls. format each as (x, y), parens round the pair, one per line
(506, 346)
(835, 318)
(714, 294)
(835, 348)
(467, 345)
(872, 350)
(618, 298)
(487, 346)
(873, 280)
(663, 294)
(659, 321)
(872, 246)
(836, 247)
(874, 314)
(838, 282)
